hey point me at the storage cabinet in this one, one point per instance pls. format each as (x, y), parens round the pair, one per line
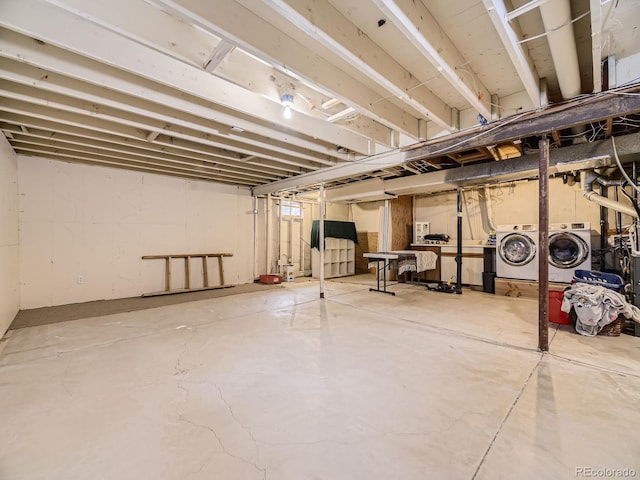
(339, 258)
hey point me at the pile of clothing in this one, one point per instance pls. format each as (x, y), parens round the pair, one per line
(596, 307)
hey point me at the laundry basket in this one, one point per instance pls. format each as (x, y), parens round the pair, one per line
(593, 277)
(613, 329)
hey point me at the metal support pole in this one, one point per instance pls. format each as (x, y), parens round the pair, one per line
(459, 246)
(604, 225)
(321, 240)
(543, 247)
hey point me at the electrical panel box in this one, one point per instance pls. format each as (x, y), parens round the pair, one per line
(420, 229)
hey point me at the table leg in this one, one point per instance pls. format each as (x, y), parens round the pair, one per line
(384, 277)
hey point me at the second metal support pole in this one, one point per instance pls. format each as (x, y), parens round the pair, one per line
(543, 247)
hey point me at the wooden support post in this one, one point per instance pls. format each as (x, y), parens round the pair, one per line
(221, 269)
(543, 246)
(187, 272)
(167, 274)
(609, 127)
(205, 272)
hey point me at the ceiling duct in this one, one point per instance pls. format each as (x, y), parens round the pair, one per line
(556, 16)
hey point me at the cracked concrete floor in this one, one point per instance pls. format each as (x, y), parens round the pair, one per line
(281, 385)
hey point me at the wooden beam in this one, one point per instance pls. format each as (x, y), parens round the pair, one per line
(556, 138)
(566, 115)
(609, 128)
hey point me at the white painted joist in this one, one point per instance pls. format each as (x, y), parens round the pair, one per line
(41, 137)
(264, 41)
(76, 157)
(92, 130)
(164, 32)
(596, 43)
(27, 75)
(53, 59)
(65, 30)
(56, 145)
(510, 35)
(345, 170)
(28, 100)
(324, 24)
(245, 70)
(223, 49)
(423, 31)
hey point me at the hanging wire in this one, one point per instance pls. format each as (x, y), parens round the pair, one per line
(544, 34)
(619, 163)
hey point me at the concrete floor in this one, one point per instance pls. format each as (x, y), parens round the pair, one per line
(280, 385)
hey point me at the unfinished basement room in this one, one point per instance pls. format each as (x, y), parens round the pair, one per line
(319, 239)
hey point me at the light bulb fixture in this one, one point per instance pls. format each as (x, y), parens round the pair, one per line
(287, 103)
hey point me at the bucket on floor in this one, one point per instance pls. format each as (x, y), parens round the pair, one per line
(555, 302)
(270, 279)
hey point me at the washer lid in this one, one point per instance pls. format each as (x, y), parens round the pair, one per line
(567, 250)
(517, 249)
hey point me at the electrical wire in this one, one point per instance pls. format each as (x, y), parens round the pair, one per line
(633, 201)
(555, 29)
(620, 167)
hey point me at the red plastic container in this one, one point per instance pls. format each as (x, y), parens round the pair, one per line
(271, 279)
(555, 302)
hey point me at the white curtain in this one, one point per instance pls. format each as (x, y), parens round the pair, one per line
(384, 228)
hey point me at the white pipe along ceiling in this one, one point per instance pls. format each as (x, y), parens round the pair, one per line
(556, 16)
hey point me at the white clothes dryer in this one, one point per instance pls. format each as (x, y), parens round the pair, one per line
(569, 249)
(517, 251)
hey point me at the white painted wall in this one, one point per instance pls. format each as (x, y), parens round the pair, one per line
(511, 203)
(98, 222)
(366, 215)
(9, 237)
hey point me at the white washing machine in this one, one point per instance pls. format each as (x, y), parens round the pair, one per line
(517, 251)
(569, 249)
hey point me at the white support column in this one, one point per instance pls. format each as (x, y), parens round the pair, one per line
(321, 239)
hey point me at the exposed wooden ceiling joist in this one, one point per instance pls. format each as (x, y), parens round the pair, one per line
(75, 34)
(510, 35)
(266, 42)
(423, 32)
(321, 21)
(193, 88)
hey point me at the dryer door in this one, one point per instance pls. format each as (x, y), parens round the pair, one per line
(517, 249)
(567, 250)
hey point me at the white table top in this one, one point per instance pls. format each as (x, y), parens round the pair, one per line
(381, 255)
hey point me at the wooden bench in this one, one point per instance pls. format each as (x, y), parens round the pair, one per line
(187, 272)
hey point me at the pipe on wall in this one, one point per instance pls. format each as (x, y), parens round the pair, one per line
(587, 179)
(487, 199)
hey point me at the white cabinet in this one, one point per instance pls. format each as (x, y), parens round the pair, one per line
(339, 258)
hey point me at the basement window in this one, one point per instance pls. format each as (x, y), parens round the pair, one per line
(291, 209)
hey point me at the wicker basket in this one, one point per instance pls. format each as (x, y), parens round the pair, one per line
(613, 329)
